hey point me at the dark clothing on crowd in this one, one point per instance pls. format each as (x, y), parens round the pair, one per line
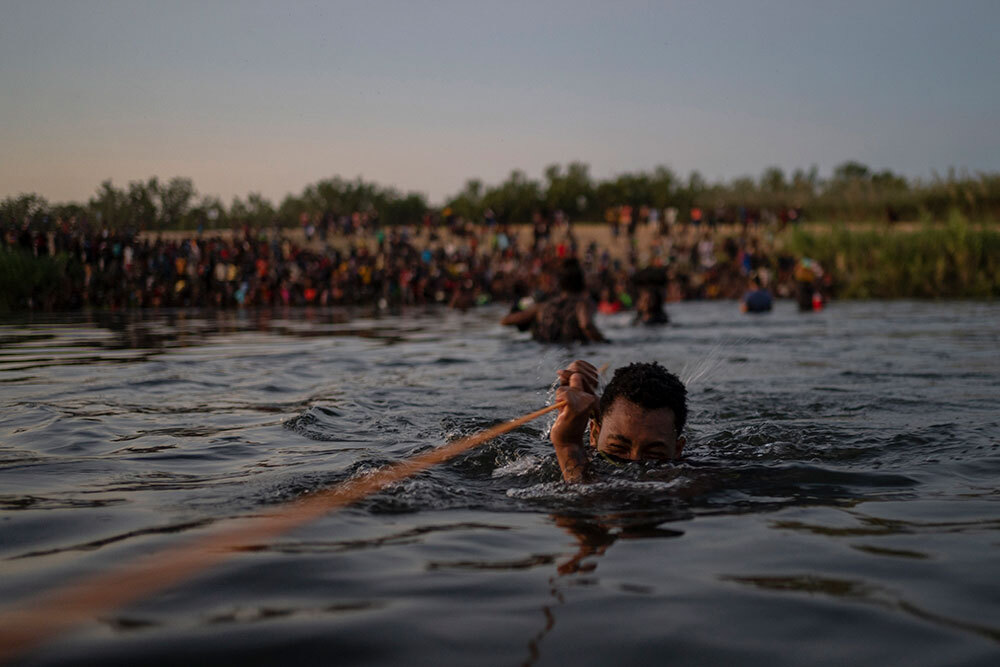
(557, 321)
(758, 301)
(652, 317)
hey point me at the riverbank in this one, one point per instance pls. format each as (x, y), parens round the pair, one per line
(601, 234)
(955, 260)
(471, 265)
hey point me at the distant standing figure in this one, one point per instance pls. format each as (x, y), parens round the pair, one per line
(808, 273)
(758, 299)
(670, 217)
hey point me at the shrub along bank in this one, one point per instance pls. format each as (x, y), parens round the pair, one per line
(955, 260)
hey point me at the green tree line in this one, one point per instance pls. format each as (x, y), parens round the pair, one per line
(853, 192)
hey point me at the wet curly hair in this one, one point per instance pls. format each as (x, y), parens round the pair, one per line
(650, 386)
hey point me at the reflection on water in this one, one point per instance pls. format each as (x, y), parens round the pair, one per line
(593, 535)
(839, 484)
(410, 536)
(870, 525)
(860, 592)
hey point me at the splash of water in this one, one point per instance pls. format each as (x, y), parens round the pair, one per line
(700, 370)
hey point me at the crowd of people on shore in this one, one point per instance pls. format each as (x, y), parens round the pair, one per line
(445, 261)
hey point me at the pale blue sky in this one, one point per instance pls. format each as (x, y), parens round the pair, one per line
(271, 96)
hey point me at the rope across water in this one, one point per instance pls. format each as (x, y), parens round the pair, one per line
(51, 613)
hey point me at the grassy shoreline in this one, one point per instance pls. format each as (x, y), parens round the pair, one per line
(35, 281)
(957, 259)
(868, 260)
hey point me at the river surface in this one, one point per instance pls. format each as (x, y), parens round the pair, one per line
(838, 502)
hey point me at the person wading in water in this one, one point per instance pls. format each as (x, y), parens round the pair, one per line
(565, 318)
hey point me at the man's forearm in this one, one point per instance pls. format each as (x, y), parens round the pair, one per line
(573, 461)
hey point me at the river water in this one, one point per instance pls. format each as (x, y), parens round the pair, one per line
(838, 502)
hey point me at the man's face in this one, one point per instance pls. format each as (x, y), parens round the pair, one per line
(631, 432)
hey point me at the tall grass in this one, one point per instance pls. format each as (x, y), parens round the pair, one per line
(29, 282)
(955, 260)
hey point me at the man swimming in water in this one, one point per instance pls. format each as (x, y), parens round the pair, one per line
(640, 416)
